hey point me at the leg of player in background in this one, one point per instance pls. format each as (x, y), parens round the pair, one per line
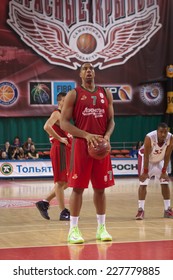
(142, 192)
(43, 205)
(168, 213)
(59, 190)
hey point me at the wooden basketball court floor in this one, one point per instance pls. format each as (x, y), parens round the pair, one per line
(25, 235)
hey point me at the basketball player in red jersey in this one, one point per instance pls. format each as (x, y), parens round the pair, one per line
(91, 109)
(60, 154)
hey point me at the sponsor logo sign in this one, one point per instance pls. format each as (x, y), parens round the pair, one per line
(43, 168)
(121, 93)
(152, 94)
(40, 93)
(6, 169)
(62, 86)
(8, 93)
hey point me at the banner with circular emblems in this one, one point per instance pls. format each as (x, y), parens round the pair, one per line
(44, 43)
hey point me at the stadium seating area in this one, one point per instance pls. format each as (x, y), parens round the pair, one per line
(119, 149)
(120, 153)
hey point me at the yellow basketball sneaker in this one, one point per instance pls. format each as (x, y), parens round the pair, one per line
(102, 234)
(74, 236)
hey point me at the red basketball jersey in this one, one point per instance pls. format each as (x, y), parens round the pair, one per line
(60, 132)
(91, 110)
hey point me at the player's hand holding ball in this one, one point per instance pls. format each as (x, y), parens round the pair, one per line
(99, 150)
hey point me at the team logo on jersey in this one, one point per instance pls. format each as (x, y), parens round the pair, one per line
(101, 95)
(8, 93)
(96, 112)
(152, 94)
(75, 176)
(102, 101)
(69, 33)
(84, 97)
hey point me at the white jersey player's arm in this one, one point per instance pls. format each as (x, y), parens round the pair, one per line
(167, 156)
(147, 151)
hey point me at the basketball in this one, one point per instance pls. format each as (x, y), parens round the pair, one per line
(6, 93)
(86, 43)
(101, 150)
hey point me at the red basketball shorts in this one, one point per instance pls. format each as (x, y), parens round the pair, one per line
(83, 168)
(60, 154)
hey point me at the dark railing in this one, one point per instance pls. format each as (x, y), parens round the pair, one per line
(123, 145)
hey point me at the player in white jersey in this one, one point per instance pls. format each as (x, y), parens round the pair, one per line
(153, 160)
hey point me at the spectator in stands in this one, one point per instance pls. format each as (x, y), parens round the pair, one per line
(139, 145)
(15, 153)
(27, 145)
(16, 142)
(3, 155)
(133, 152)
(21, 155)
(8, 149)
(32, 154)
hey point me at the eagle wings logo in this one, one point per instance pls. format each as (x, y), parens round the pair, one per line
(70, 49)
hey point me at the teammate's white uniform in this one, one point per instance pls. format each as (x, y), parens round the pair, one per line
(156, 157)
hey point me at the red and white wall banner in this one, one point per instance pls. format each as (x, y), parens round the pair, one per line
(44, 43)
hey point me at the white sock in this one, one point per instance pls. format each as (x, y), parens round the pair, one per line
(73, 221)
(101, 219)
(141, 204)
(167, 203)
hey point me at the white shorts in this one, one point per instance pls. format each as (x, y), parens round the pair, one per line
(154, 170)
